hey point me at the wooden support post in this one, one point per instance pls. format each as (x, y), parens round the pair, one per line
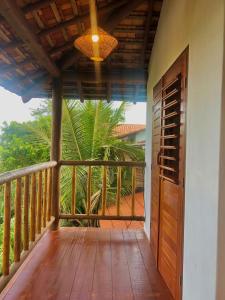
(56, 146)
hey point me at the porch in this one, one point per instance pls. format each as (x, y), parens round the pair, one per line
(89, 263)
(38, 59)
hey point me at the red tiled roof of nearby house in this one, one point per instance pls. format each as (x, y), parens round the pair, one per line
(125, 210)
(123, 130)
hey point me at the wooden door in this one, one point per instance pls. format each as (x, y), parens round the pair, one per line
(156, 135)
(170, 171)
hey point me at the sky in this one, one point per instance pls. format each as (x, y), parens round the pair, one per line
(13, 109)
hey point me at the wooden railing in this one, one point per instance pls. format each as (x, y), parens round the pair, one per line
(29, 205)
(101, 213)
(27, 197)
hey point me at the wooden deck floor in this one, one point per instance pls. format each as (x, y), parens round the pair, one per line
(89, 264)
(125, 210)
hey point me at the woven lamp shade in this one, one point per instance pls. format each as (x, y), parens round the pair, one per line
(98, 50)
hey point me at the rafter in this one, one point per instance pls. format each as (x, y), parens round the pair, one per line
(31, 91)
(112, 21)
(126, 76)
(134, 76)
(37, 5)
(14, 16)
(119, 15)
(83, 18)
(147, 29)
(12, 67)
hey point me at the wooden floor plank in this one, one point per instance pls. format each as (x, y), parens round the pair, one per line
(155, 278)
(141, 285)
(61, 288)
(122, 289)
(49, 256)
(83, 281)
(89, 264)
(102, 281)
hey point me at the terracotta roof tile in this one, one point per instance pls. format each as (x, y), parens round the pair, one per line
(123, 130)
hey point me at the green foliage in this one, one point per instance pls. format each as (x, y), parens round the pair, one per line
(15, 148)
(88, 134)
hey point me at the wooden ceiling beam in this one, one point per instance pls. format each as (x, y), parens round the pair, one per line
(66, 46)
(85, 17)
(13, 67)
(37, 5)
(11, 45)
(147, 29)
(128, 76)
(120, 14)
(36, 88)
(15, 18)
(12, 85)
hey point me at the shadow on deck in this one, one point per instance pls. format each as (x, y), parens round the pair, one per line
(89, 263)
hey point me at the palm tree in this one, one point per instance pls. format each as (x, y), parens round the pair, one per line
(88, 134)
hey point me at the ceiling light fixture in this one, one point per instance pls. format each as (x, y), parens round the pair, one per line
(97, 46)
(95, 38)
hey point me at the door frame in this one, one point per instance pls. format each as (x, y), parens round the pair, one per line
(182, 169)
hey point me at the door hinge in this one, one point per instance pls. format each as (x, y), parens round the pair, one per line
(183, 182)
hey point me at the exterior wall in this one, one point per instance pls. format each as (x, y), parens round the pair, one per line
(199, 25)
(140, 136)
(136, 137)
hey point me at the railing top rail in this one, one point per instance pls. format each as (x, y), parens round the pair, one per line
(12, 175)
(140, 164)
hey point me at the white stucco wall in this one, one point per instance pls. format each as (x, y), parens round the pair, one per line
(199, 24)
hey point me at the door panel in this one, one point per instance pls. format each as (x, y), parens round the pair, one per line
(168, 241)
(168, 171)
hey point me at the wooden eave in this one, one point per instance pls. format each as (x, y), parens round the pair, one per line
(36, 43)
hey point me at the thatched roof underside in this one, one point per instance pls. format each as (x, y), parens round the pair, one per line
(36, 43)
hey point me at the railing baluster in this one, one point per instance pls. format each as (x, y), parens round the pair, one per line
(118, 195)
(39, 203)
(17, 227)
(104, 190)
(26, 213)
(45, 200)
(33, 208)
(133, 191)
(74, 187)
(49, 203)
(89, 190)
(6, 232)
